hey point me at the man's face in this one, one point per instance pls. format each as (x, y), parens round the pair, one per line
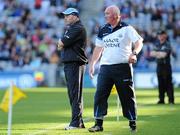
(69, 19)
(162, 37)
(109, 16)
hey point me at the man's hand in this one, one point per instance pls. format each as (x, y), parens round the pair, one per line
(132, 59)
(91, 71)
(153, 53)
(95, 57)
(60, 45)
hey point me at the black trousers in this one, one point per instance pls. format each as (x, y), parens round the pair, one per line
(74, 73)
(165, 85)
(121, 76)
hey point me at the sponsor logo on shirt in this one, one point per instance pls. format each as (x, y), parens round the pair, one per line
(104, 34)
(114, 42)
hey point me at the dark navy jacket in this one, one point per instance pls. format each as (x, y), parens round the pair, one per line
(165, 47)
(74, 40)
(163, 64)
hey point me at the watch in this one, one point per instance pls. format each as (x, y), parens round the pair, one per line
(134, 53)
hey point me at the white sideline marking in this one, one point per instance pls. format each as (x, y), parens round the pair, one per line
(42, 131)
(47, 129)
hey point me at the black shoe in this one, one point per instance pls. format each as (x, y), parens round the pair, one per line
(160, 102)
(96, 128)
(172, 103)
(132, 125)
(82, 126)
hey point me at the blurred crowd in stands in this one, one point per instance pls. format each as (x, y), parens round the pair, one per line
(29, 30)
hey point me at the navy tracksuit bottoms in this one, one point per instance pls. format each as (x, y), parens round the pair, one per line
(74, 73)
(165, 84)
(121, 76)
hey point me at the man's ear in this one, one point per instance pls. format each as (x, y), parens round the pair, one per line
(115, 17)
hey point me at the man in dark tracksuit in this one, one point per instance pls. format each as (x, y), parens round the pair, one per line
(162, 52)
(72, 46)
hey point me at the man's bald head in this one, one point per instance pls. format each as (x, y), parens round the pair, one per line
(113, 9)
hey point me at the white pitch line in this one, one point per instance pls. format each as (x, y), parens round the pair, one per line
(56, 127)
(47, 129)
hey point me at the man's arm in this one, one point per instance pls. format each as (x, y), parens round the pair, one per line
(137, 48)
(158, 54)
(95, 57)
(71, 35)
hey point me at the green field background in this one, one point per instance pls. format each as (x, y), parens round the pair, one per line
(46, 111)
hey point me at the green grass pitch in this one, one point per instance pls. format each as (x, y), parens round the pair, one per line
(46, 111)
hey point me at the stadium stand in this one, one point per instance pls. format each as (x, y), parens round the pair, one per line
(29, 31)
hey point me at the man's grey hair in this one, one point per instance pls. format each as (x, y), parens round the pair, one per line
(115, 9)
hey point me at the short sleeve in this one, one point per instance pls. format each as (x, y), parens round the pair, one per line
(133, 35)
(99, 39)
(98, 42)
